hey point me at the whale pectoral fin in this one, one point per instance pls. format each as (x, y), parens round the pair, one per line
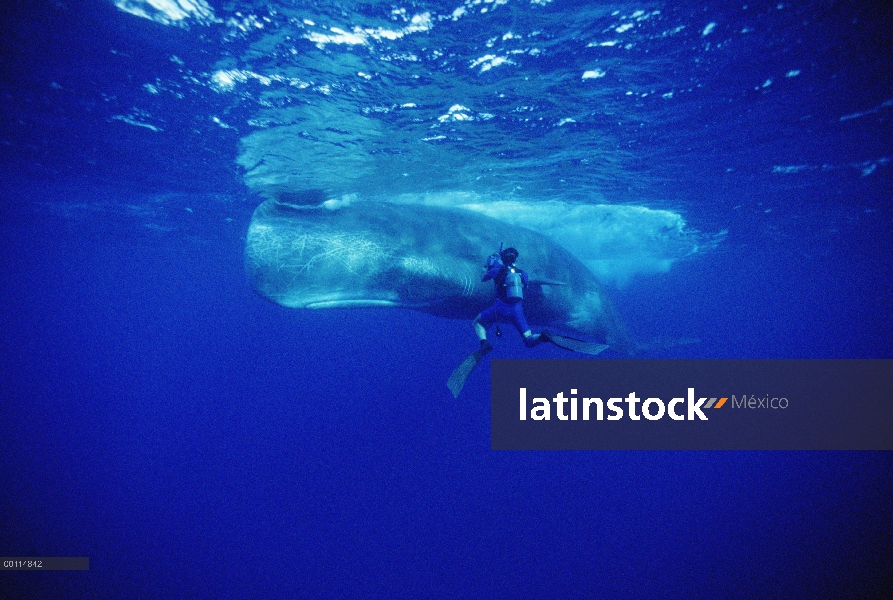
(545, 282)
(457, 380)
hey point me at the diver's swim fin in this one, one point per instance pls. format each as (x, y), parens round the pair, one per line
(457, 380)
(573, 344)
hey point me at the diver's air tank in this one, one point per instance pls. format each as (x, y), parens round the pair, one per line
(514, 287)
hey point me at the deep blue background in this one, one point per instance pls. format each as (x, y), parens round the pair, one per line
(194, 440)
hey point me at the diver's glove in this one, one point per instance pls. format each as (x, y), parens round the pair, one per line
(494, 259)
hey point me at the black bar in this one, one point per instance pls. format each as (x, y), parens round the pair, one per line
(770, 404)
(44, 563)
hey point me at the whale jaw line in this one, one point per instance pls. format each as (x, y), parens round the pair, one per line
(358, 303)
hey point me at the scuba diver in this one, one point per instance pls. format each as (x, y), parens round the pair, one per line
(510, 283)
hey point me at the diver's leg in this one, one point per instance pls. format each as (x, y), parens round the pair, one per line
(479, 329)
(532, 339)
(517, 318)
(482, 322)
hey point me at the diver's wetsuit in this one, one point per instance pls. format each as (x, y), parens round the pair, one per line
(501, 310)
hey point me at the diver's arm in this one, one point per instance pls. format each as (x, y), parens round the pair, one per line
(494, 265)
(491, 273)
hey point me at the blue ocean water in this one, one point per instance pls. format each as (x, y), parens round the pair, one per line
(723, 168)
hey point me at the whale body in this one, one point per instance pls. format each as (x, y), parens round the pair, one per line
(426, 258)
